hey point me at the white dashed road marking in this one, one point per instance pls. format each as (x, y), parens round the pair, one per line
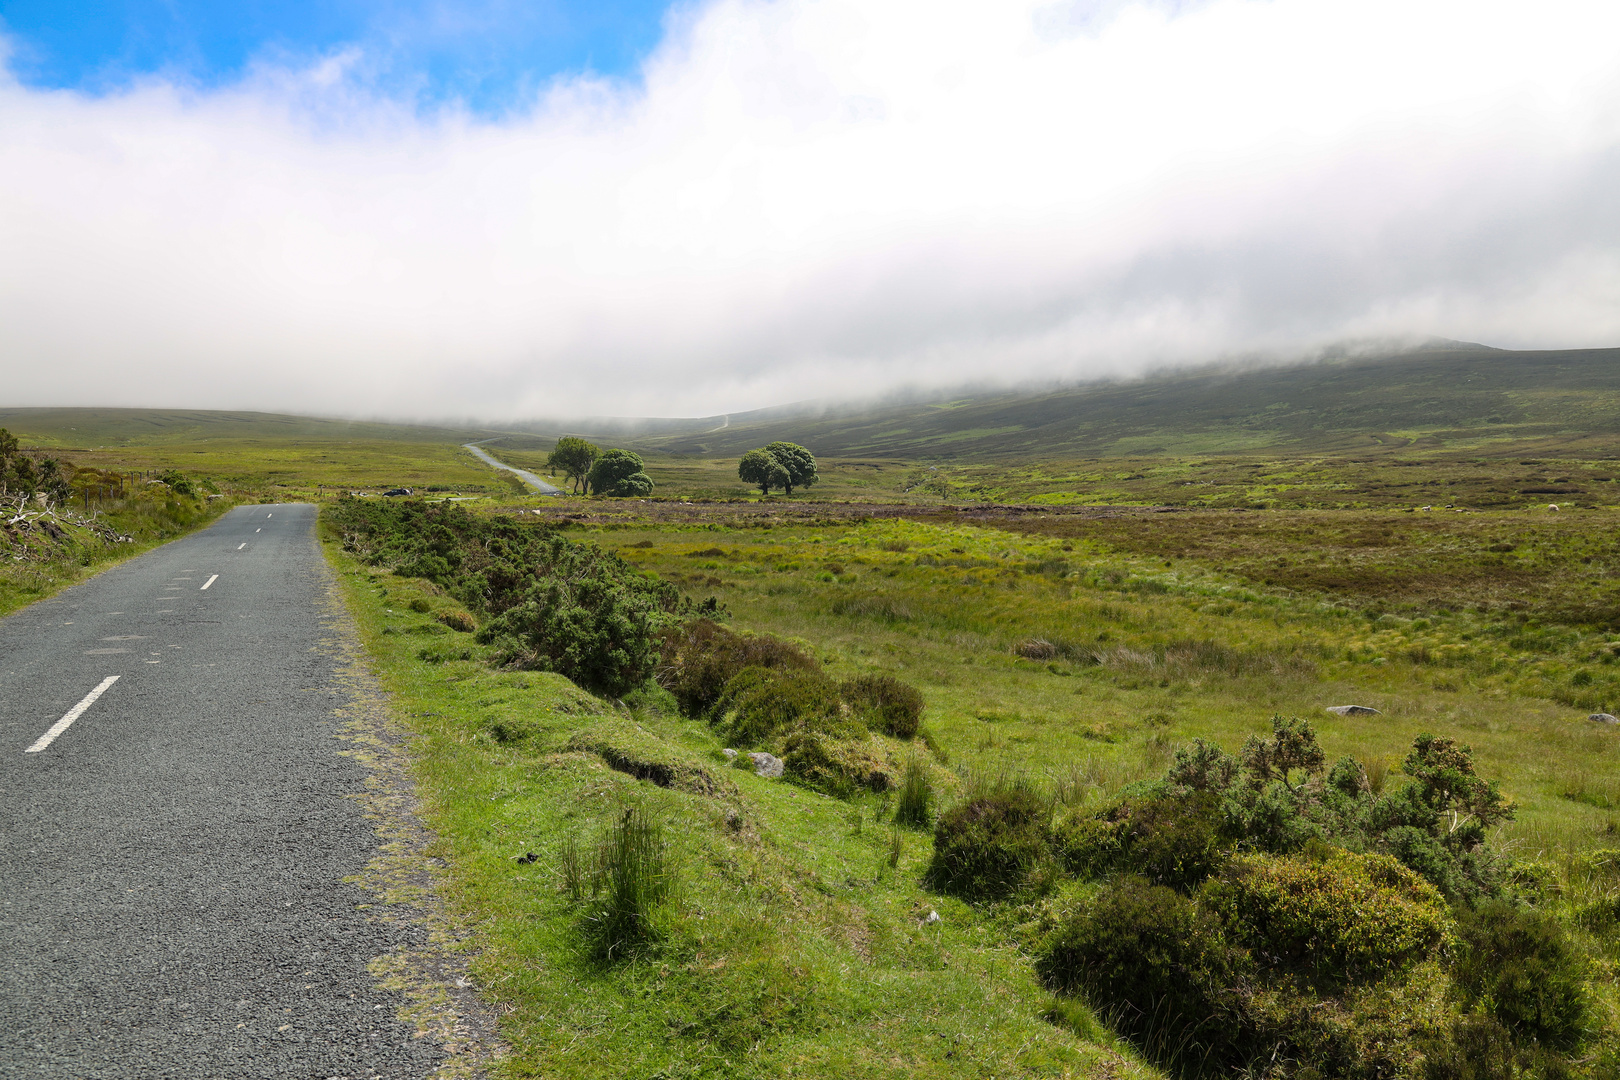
(72, 714)
(242, 545)
(212, 578)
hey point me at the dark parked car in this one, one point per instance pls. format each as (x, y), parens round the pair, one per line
(396, 491)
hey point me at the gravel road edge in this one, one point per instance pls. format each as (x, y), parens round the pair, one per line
(441, 1000)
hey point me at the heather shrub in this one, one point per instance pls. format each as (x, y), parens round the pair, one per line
(885, 703)
(1169, 838)
(1156, 965)
(1521, 968)
(837, 766)
(458, 621)
(760, 703)
(698, 659)
(986, 846)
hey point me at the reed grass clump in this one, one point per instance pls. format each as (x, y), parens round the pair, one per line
(624, 883)
(915, 804)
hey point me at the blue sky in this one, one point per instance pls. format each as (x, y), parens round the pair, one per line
(490, 54)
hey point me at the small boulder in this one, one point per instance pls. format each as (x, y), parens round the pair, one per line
(731, 755)
(767, 765)
(1604, 718)
(1353, 710)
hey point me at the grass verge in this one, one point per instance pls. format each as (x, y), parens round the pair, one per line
(793, 937)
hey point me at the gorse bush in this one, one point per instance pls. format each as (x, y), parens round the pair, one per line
(545, 602)
(1271, 914)
(1342, 916)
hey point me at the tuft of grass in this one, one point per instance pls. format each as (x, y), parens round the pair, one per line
(915, 805)
(631, 880)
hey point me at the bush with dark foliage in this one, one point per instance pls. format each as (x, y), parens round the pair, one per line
(885, 703)
(986, 846)
(544, 602)
(699, 658)
(1520, 965)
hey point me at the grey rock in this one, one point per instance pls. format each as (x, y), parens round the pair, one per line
(1353, 710)
(1604, 718)
(731, 755)
(766, 765)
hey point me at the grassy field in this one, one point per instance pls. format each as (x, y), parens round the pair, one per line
(1074, 652)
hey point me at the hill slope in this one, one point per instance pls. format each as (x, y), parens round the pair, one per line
(1467, 395)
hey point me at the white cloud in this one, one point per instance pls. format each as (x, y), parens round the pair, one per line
(809, 198)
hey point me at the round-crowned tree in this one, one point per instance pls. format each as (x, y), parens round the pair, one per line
(796, 461)
(782, 465)
(619, 473)
(759, 467)
(573, 458)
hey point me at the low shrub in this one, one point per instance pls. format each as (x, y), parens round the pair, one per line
(986, 846)
(885, 703)
(1473, 1048)
(1170, 838)
(760, 703)
(1600, 916)
(698, 659)
(1344, 916)
(594, 630)
(1149, 960)
(1518, 964)
(459, 621)
(838, 766)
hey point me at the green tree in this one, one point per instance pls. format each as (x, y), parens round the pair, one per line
(573, 458)
(799, 463)
(759, 467)
(619, 473)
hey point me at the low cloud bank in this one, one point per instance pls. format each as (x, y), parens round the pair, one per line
(813, 198)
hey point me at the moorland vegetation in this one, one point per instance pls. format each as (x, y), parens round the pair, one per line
(1017, 724)
(1059, 793)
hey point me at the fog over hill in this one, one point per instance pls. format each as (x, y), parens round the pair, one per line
(1444, 391)
(1444, 394)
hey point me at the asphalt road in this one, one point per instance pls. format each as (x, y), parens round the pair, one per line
(172, 896)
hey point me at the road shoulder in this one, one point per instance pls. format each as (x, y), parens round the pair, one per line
(406, 876)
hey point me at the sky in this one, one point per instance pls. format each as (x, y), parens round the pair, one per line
(500, 210)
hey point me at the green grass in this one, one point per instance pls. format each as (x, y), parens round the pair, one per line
(796, 942)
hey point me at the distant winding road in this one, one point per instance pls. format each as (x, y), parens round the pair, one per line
(177, 822)
(522, 474)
